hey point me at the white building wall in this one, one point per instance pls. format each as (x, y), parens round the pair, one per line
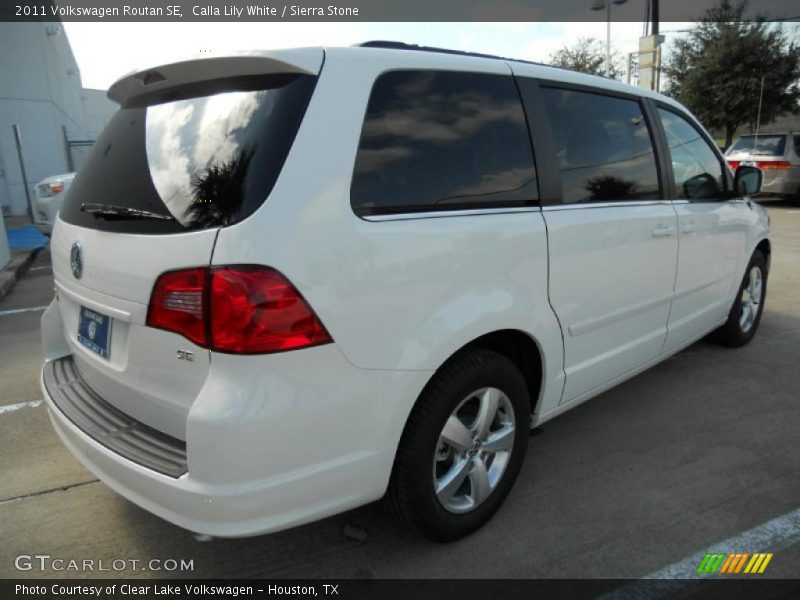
(98, 110)
(40, 90)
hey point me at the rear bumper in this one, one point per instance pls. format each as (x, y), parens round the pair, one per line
(108, 426)
(307, 437)
(781, 182)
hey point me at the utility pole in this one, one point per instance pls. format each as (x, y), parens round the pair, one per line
(758, 116)
(653, 17)
(606, 4)
(18, 140)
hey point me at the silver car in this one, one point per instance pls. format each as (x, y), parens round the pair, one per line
(776, 154)
(50, 194)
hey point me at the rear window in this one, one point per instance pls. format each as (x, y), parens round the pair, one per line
(202, 161)
(440, 140)
(763, 145)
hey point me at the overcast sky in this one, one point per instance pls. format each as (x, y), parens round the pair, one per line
(105, 51)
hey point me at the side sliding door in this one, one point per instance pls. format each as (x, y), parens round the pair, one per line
(612, 235)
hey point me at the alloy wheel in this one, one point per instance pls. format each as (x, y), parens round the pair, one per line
(473, 450)
(751, 299)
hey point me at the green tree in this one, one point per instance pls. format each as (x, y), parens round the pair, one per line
(588, 55)
(716, 70)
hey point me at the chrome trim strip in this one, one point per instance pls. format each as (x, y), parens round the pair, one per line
(618, 204)
(452, 213)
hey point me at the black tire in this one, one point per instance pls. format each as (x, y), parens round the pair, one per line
(411, 495)
(732, 333)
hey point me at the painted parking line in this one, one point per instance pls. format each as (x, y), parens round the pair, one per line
(774, 535)
(39, 268)
(9, 408)
(16, 311)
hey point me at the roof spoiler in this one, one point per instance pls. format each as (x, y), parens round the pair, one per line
(139, 87)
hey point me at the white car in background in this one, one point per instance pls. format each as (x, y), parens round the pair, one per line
(50, 193)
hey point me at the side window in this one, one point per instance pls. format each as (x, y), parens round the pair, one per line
(797, 145)
(695, 165)
(439, 140)
(604, 147)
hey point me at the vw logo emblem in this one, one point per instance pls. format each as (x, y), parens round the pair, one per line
(474, 448)
(76, 260)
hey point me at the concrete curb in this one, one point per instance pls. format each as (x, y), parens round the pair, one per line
(20, 261)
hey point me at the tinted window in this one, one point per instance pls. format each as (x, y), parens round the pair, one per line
(762, 145)
(204, 161)
(435, 140)
(604, 148)
(696, 166)
(797, 145)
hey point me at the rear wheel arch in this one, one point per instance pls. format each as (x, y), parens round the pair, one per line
(520, 348)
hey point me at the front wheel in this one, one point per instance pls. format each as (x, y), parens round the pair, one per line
(745, 314)
(462, 447)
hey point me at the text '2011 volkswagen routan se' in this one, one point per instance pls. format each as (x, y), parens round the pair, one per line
(290, 283)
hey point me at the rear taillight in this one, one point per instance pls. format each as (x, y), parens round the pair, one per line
(178, 303)
(773, 164)
(241, 309)
(733, 164)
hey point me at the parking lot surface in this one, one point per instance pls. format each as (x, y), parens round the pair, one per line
(695, 451)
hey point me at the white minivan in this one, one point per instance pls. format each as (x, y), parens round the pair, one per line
(290, 283)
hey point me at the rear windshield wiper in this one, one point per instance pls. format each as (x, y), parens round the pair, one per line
(115, 211)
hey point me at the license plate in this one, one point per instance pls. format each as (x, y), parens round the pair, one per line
(94, 331)
(748, 163)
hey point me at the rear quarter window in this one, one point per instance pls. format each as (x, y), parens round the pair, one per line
(204, 161)
(440, 140)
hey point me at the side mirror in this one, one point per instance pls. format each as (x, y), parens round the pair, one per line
(747, 181)
(701, 186)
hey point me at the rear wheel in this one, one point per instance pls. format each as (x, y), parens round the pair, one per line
(462, 447)
(745, 314)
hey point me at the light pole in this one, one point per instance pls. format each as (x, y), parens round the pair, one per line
(606, 4)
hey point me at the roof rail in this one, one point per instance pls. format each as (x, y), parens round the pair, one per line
(403, 46)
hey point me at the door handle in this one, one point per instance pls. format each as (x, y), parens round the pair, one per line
(691, 227)
(662, 230)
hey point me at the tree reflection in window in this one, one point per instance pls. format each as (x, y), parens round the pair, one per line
(217, 194)
(604, 149)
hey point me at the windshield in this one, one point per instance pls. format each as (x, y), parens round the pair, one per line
(766, 145)
(204, 161)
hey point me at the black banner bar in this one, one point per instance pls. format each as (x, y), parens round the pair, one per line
(391, 589)
(369, 10)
